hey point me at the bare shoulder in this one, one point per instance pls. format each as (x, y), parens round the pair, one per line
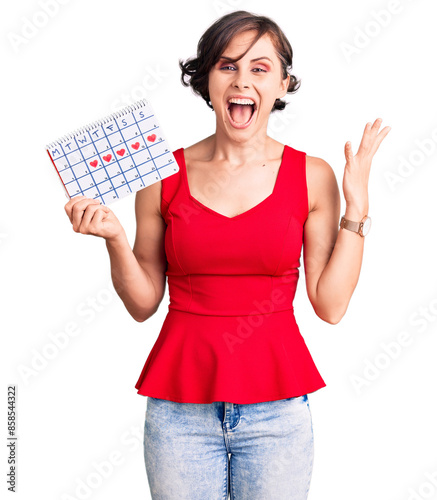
(321, 181)
(317, 168)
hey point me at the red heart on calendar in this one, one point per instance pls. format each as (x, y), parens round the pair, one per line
(121, 152)
(151, 138)
(136, 145)
(107, 157)
(94, 163)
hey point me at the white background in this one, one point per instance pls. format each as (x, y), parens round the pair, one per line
(357, 62)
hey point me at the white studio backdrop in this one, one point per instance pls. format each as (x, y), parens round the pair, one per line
(68, 343)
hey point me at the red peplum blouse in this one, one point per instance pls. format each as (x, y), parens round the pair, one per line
(230, 333)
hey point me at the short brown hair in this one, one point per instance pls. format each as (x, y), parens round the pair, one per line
(216, 38)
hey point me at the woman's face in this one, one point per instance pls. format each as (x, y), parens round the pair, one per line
(257, 76)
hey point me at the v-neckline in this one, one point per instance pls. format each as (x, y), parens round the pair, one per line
(250, 210)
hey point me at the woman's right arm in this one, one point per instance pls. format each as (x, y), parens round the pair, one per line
(138, 274)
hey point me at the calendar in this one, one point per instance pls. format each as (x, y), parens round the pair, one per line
(115, 156)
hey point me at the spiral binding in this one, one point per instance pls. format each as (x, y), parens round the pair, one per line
(101, 121)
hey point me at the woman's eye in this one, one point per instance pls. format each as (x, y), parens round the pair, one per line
(231, 67)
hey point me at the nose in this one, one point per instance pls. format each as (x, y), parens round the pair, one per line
(240, 81)
(241, 85)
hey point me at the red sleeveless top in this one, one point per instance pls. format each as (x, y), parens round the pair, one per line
(230, 333)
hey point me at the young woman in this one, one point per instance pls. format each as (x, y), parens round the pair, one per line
(229, 375)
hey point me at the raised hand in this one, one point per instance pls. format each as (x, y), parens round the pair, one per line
(357, 169)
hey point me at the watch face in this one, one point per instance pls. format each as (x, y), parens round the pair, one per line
(366, 226)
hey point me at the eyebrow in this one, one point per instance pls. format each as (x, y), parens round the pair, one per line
(253, 60)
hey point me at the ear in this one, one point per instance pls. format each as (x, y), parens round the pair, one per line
(284, 87)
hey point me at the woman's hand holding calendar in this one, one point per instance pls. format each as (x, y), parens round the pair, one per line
(88, 216)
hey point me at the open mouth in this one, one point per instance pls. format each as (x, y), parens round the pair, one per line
(241, 114)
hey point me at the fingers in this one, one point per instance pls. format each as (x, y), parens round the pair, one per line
(76, 208)
(376, 125)
(371, 139)
(375, 138)
(90, 216)
(78, 211)
(92, 220)
(366, 139)
(380, 137)
(348, 152)
(98, 217)
(73, 203)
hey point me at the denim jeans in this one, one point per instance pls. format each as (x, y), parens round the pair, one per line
(257, 451)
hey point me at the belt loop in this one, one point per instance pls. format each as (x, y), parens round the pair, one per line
(228, 408)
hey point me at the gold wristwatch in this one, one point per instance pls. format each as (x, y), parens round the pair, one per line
(362, 227)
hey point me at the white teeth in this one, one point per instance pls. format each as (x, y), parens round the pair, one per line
(241, 101)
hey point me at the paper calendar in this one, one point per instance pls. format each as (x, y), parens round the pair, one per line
(115, 156)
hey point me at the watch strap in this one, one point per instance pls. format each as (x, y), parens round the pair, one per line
(350, 225)
(356, 227)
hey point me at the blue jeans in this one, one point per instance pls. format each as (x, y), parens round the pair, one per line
(257, 451)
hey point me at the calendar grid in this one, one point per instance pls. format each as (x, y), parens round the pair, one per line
(66, 157)
(94, 182)
(133, 159)
(114, 157)
(151, 156)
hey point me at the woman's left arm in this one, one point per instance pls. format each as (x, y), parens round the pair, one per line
(333, 257)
